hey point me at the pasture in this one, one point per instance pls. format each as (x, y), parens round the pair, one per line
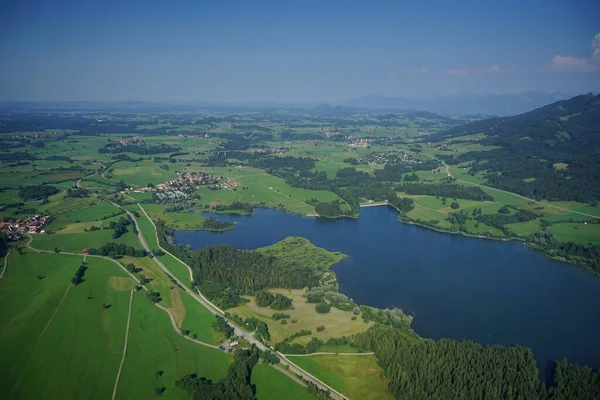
(358, 377)
(337, 323)
(46, 319)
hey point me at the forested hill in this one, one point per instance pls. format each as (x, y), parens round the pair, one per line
(550, 153)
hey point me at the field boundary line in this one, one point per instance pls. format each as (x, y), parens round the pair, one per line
(114, 393)
(54, 313)
(5, 264)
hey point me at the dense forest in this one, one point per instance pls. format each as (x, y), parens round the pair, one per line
(224, 273)
(35, 192)
(448, 369)
(451, 191)
(549, 153)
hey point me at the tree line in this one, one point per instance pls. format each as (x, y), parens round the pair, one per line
(443, 369)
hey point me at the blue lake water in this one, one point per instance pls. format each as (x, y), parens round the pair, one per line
(455, 287)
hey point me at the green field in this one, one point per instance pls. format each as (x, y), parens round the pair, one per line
(155, 346)
(199, 320)
(76, 242)
(576, 232)
(37, 333)
(273, 385)
(358, 377)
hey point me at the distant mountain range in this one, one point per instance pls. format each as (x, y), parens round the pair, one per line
(463, 104)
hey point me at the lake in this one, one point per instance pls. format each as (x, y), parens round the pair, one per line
(456, 287)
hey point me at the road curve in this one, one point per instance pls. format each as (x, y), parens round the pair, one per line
(216, 311)
(5, 264)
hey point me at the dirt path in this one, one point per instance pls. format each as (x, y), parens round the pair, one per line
(5, 264)
(114, 393)
(54, 313)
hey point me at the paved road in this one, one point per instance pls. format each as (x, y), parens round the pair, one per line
(216, 311)
(5, 264)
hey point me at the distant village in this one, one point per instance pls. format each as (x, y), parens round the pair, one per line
(389, 157)
(269, 150)
(34, 224)
(186, 183)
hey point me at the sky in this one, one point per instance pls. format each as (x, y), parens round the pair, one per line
(294, 51)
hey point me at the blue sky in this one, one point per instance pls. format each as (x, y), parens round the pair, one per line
(294, 51)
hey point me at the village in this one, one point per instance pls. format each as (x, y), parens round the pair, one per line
(185, 184)
(390, 157)
(34, 224)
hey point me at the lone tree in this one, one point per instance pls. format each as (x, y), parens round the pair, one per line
(159, 374)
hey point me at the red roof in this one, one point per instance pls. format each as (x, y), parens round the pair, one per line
(85, 251)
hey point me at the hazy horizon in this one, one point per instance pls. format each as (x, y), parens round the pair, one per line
(294, 52)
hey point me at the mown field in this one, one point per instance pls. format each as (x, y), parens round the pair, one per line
(337, 323)
(358, 377)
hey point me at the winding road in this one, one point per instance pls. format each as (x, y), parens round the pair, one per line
(216, 311)
(5, 264)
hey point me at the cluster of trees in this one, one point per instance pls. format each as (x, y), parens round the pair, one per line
(221, 325)
(253, 324)
(312, 346)
(323, 308)
(246, 208)
(35, 192)
(586, 255)
(154, 296)
(446, 190)
(394, 317)
(237, 385)
(78, 277)
(278, 316)
(119, 227)
(115, 250)
(77, 192)
(329, 209)
(329, 291)
(214, 224)
(276, 301)
(501, 219)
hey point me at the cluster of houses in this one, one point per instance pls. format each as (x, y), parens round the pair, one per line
(354, 141)
(329, 134)
(33, 224)
(124, 142)
(192, 136)
(439, 146)
(270, 150)
(186, 182)
(388, 157)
